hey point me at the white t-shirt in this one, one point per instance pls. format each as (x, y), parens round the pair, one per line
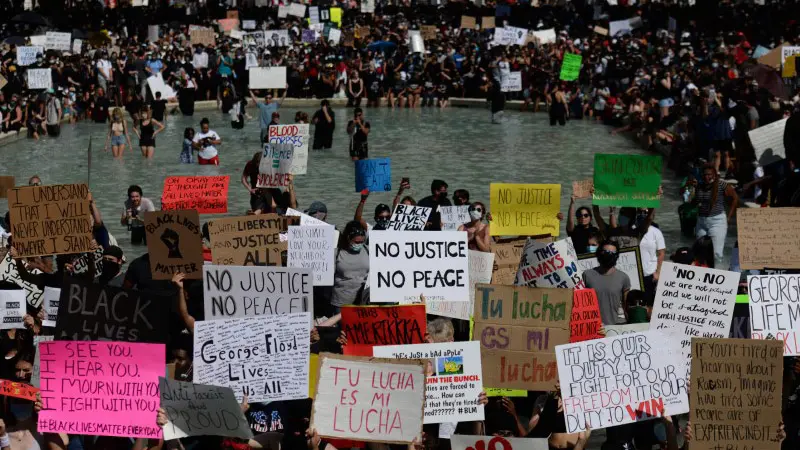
(651, 242)
(104, 67)
(209, 151)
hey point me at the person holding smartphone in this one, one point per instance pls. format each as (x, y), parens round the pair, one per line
(358, 129)
(133, 214)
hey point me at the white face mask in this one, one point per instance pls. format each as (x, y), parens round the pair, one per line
(475, 215)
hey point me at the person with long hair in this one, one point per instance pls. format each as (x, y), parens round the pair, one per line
(709, 196)
(579, 227)
(187, 149)
(147, 131)
(351, 266)
(477, 231)
(117, 133)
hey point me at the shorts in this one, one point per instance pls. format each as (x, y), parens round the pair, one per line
(359, 150)
(147, 142)
(208, 162)
(116, 141)
(722, 145)
(666, 102)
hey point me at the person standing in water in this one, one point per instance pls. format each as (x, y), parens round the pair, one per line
(117, 134)
(358, 129)
(558, 106)
(324, 123)
(500, 70)
(148, 129)
(206, 141)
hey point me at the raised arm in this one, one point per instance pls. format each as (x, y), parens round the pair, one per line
(360, 208)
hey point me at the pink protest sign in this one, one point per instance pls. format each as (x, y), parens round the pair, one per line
(100, 388)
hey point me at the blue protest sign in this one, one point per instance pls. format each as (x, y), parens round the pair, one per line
(374, 174)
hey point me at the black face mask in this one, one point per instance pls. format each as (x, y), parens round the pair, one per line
(381, 224)
(443, 195)
(110, 270)
(607, 260)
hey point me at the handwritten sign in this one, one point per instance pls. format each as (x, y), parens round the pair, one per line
(405, 264)
(629, 261)
(454, 216)
(18, 390)
(467, 23)
(294, 139)
(50, 220)
(9, 273)
(524, 209)
(36, 371)
(52, 297)
(369, 326)
(369, 399)
(428, 32)
(553, 265)
(570, 67)
(409, 218)
(737, 385)
(58, 41)
(100, 388)
(205, 194)
(627, 180)
(467, 442)
(88, 311)
(480, 271)
(615, 330)
(234, 291)
(201, 410)
(767, 142)
(248, 240)
(694, 302)
(453, 378)
(275, 167)
(583, 188)
(374, 174)
(622, 379)
(512, 82)
(26, 55)
(774, 307)
(12, 309)
(228, 25)
(764, 238)
(203, 37)
(265, 357)
(312, 247)
(585, 323)
(174, 243)
(518, 328)
(506, 261)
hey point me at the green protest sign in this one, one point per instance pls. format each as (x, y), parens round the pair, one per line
(627, 180)
(571, 66)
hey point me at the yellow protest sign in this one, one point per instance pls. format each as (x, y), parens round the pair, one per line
(524, 209)
(492, 392)
(313, 373)
(790, 67)
(336, 16)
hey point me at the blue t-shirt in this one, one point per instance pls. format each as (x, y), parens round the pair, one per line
(265, 113)
(154, 65)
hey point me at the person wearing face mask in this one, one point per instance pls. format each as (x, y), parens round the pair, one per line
(653, 249)
(382, 214)
(477, 231)
(112, 274)
(579, 226)
(437, 198)
(351, 267)
(611, 285)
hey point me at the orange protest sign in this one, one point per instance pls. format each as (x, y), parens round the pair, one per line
(207, 195)
(18, 390)
(585, 322)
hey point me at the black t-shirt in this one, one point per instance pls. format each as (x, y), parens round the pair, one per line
(580, 237)
(358, 133)
(159, 107)
(100, 111)
(435, 218)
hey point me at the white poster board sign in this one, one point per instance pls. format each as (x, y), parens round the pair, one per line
(253, 291)
(550, 265)
(504, 36)
(58, 41)
(774, 308)
(295, 138)
(201, 410)
(453, 378)
(512, 82)
(768, 142)
(622, 379)
(275, 166)
(480, 271)
(248, 24)
(267, 77)
(38, 41)
(50, 305)
(77, 46)
(283, 11)
(27, 55)
(12, 309)
(615, 330)
(454, 216)
(313, 14)
(396, 388)
(8, 272)
(156, 83)
(467, 442)
(417, 43)
(405, 264)
(619, 27)
(313, 248)
(265, 357)
(297, 9)
(409, 218)
(152, 33)
(694, 302)
(368, 6)
(334, 36)
(627, 262)
(544, 36)
(39, 78)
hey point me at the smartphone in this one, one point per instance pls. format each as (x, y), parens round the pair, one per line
(405, 180)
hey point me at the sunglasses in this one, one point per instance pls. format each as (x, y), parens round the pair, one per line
(609, 252)
(582, 215)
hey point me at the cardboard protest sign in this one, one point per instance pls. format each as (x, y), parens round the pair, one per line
(50, 220)
(506, 261)
(454, 216)
(453, 378)
(615, 330)
(774, 309)
(409, 218)
(467, 442)
(12, 309)
(622, 379)
(205, 194)
(3, 83)
(294, 139)
(524, 209)
(88, 311)
(763, 236)
(583, 188)
(248, 240)
(467, 23)
(267, 77)
(100, 388)
(767, 142)
(52, 298)
(512, 82)
(694, 302)
(518, 328)
(737, 385)
(313, 248)
(264, 357)
(600, 30)
(384, 399)
(374, 174)
(487, 22)
(235, 291)
(550, 265)
(405, 264)
(629, 261)
(201, 410)
(18, 390)
(570, 67)
(202, 37)
(585, 322)
(428, 32)
(174, 243)
(480, 271)
(275, 167)
(627, 180)
(369, 326)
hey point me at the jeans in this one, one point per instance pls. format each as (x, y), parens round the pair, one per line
(715, 227)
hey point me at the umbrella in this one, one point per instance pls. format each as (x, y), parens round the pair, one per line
(79, 34)
(31, 18)
(381, 46)
(770, 79)
(14, 40)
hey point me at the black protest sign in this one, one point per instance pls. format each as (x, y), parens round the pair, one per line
(91, 312)
(174, 243)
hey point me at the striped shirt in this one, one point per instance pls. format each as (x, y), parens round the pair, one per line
(704, 197)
